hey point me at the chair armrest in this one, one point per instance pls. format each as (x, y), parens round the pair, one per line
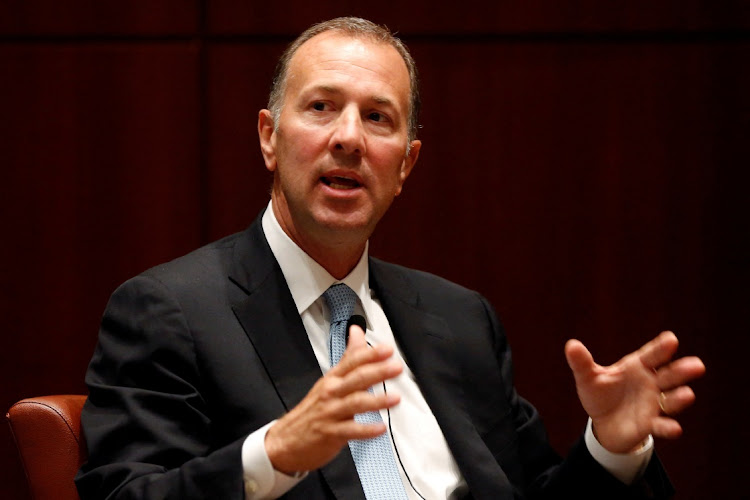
(47, 431)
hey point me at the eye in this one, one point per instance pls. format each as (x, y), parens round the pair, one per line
(376, 117)
(319, 106)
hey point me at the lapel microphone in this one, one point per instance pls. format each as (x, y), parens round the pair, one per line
(358, 320)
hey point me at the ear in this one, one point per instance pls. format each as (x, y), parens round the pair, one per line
(408, 164)
(267, 136)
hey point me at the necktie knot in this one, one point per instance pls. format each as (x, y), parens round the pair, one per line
(340, 299)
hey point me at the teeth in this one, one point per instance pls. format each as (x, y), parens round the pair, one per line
(341, 182)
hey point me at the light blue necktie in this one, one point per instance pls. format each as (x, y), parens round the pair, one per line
(376, 466)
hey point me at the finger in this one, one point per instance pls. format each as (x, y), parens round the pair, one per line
(665, 427)
(676, 400)
(679, 372)
(579, 359)
(358, 353)
(367, 375)
(356, 338)
(349, 429)
(659, 350)
(364, 373)
(360, 402)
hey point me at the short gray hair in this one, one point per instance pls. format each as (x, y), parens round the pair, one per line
(356, 28)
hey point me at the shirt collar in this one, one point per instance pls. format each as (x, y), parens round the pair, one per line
(306, 279)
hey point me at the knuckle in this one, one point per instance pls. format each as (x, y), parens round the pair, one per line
(352, 404)
(329, 387)
(358, 402)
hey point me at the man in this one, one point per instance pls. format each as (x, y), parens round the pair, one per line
(214, 377)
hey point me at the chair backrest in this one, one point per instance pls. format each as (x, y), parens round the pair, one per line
(47, 431)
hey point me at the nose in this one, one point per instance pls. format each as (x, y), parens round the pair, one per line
(348, 135)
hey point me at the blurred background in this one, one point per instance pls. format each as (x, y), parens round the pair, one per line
(584, 166)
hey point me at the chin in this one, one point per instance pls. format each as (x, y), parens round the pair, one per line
(347, 223)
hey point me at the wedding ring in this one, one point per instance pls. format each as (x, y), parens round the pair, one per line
(662, 399)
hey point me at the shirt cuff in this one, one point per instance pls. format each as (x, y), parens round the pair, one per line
(627, 467)
(261, 480)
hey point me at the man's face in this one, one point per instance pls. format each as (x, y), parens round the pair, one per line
(338, 153)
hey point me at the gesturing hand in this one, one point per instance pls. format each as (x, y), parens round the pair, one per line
(315, 430)
(638, 395)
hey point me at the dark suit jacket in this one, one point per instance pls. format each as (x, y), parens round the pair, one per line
(195, 354)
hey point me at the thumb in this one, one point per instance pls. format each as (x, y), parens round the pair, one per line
(579, 359)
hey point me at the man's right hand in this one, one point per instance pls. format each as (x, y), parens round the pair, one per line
(315, 430)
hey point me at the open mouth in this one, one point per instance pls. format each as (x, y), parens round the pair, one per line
(337, 182)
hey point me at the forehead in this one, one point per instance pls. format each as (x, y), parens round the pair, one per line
(349, 60)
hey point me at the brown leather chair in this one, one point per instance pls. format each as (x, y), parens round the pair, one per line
(47, 431)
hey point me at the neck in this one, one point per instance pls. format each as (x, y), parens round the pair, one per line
(338, 252)
(338, 262)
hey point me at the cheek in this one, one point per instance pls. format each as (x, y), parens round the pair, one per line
(388, 162)
(302, 144)
(305, 147)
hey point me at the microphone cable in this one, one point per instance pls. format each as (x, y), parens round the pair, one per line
(358, 320)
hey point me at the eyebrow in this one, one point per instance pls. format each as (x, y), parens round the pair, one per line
(329, 89)
(384, 101)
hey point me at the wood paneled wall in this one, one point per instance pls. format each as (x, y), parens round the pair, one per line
(584, 166)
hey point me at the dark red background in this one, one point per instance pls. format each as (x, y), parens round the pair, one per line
(584, 166)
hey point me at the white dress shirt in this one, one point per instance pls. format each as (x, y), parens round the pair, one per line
(426, 464)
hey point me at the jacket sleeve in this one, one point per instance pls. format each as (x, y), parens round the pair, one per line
(542, 474)
(147, 425)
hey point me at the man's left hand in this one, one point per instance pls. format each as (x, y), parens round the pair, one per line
(638, 395)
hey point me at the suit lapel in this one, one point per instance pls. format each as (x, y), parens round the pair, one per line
(267, 313)
(429, 347)
(265, 308)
